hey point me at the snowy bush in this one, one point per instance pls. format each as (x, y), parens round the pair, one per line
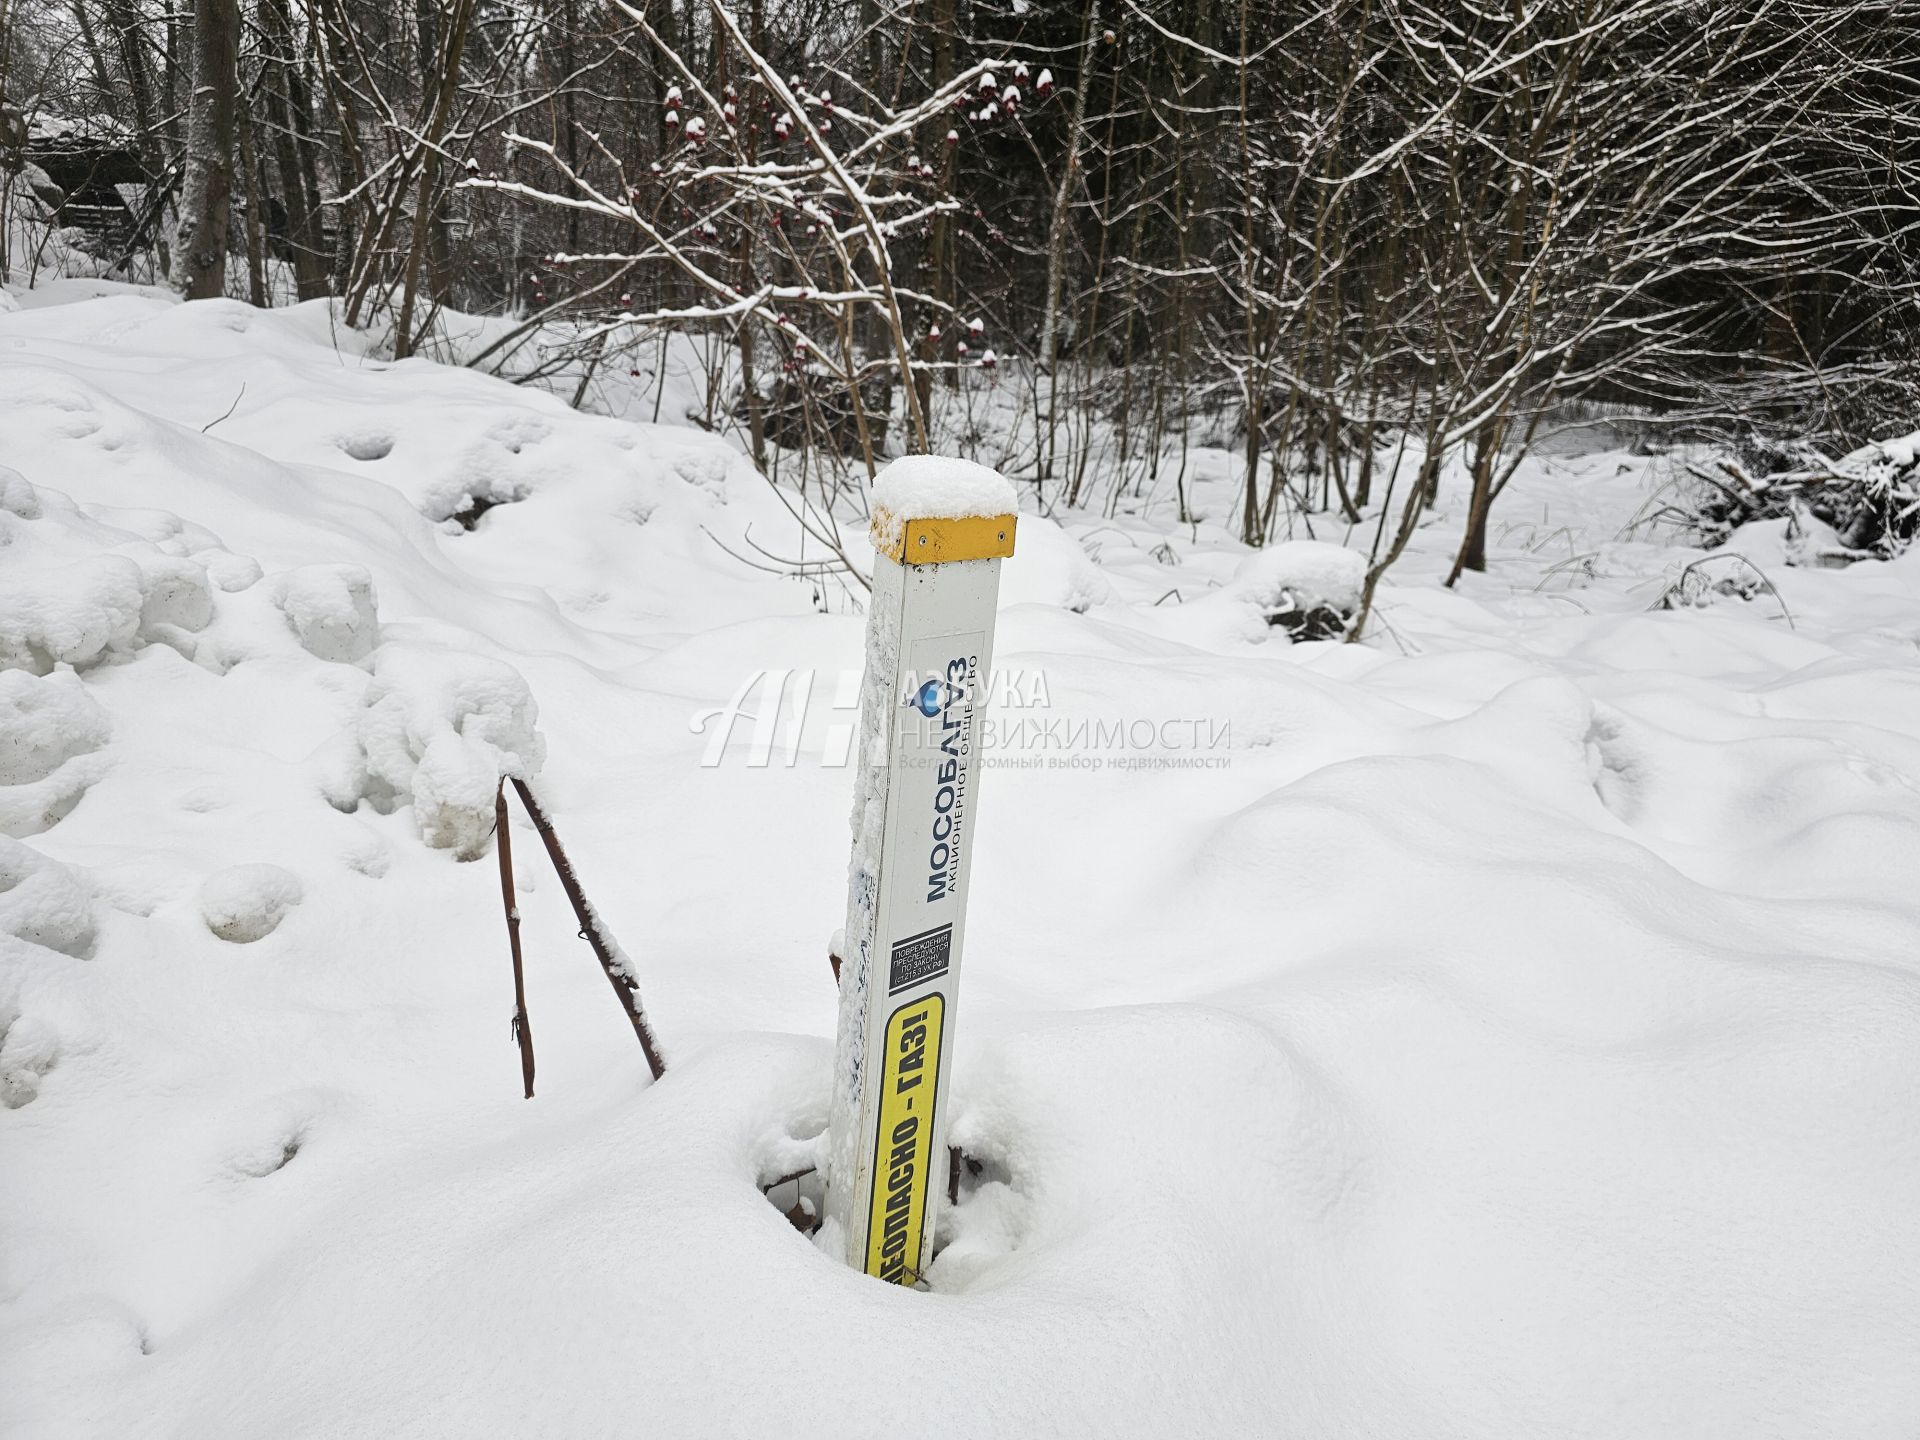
(1309, 589)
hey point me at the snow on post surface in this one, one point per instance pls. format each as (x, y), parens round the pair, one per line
(868, 823)
(933, 487)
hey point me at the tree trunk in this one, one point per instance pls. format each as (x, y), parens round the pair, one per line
(438, 119)
(1057, 235)
(324, 44)
(256, 228)
(439, 253)
(200, 253)
(1473, 545)
(303, 230)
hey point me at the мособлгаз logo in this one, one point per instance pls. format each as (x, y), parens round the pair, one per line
(928, 699)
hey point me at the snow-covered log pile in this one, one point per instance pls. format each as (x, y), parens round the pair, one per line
(1870, 498)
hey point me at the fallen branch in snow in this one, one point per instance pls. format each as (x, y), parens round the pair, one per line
(593, 930)
(503, 845)
(230, 409)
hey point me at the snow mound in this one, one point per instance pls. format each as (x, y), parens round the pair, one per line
(1048, 567)
(1801, 540)
(43, 902)
(176, 593)
(505, 465)
(51, 731)
(244, 903)
(17, 497)
(81, 588)
(28, 1049)
(441, 730)
(331, 608)
(69, 614)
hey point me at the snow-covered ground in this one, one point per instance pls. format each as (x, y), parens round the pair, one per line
(1506, 1027)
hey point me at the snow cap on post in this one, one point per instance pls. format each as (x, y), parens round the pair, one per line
(928, 510)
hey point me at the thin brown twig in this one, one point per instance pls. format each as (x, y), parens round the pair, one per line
(503, 844)
(593, 930)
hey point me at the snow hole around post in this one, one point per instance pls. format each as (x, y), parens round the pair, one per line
(984, 1206)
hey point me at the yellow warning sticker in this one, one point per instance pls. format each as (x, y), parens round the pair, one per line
(903, 1146)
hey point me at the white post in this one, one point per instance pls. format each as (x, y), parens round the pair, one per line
(940, 530)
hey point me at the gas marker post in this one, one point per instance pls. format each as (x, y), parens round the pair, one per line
(940, 529)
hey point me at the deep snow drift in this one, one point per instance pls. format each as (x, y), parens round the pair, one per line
(1507, 1027)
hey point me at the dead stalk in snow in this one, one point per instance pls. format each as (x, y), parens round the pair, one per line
(503, 843)
(593, 930)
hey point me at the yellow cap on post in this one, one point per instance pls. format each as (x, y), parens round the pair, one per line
(939, 542)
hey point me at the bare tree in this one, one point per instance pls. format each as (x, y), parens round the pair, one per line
(206, 197)
(1368, 247)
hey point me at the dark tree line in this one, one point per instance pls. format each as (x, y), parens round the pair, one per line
(1354, 239)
